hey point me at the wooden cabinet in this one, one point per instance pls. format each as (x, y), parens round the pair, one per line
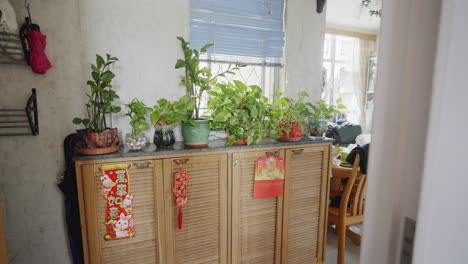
(203, 237)
(305, 205)
(256, 223)
(148, 209)
(222, 221)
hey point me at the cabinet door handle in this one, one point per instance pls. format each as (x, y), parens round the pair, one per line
(236, 162)
(180, 161)
(272, 153)
(142, 165)
(298, 151)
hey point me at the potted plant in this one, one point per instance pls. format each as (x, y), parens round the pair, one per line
(290, 116)
(137, 111)
(242, 111)
(197, 81)
(166, 115)
(96, 137)
(322, 112)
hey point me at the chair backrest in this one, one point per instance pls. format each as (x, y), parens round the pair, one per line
(354, 193)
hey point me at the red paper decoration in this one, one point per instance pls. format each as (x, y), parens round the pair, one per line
(180, 190)
(115, 187)
(269, 177)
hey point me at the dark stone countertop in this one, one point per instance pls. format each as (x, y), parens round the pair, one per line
(178, 148)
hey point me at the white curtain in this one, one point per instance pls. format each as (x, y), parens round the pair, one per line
(363, 50)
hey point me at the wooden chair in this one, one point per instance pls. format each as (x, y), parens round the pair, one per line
(351, 210)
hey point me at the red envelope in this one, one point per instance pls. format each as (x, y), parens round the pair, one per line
(269, 177)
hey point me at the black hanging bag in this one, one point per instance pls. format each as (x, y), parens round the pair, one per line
(72, 210)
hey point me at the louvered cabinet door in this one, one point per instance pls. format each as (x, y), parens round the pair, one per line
(203, 237)
(256, 222)
(305, 205)
(148, 210)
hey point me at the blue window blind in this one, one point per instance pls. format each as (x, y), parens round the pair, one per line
(247, 31)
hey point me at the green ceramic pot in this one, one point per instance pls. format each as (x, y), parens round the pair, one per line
(196, 136)
(317, 127)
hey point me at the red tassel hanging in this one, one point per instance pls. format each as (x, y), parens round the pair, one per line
(180, 190)
(180, 217)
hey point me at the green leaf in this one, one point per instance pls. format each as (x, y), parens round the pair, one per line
(143, 126)
(286, 129)
(94, 68)
(192, 122)
(341, 106)
(86, 122)
(95, 76)
(219, 117)
(206, 47)
(99, 61)
(254, 112)
(181, 39)
(240, 85)
(116, 109)
(191, 105)
(180, 64)
(154, 117)
(250, 140)
(77, 121)
(107, 76)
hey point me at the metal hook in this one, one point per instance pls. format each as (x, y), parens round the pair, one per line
(27, 5)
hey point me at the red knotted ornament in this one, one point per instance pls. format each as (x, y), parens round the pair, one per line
(180, 190)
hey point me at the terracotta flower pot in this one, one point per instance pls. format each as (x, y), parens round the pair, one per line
(294, 135)
(240, 143)
(98, 143)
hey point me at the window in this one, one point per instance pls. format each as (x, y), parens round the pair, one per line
(338, 73)
(245, 31)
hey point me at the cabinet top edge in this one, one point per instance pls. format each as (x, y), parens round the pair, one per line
(213, 146)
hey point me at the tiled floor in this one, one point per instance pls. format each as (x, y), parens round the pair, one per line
(352, 251)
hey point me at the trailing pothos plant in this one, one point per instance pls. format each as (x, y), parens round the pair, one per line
(241, 110)
(287, 111)
(138, 112)
(322, 110)
(198, 80)
(101, 97)
(166, 112)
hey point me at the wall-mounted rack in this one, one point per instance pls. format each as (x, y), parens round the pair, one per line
(12, 50)
(17, 121)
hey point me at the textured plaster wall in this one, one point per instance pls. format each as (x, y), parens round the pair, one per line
(142, 33)
(143, 36)
(29, 166)
(305, 33)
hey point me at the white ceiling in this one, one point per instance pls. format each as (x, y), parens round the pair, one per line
(350, 15)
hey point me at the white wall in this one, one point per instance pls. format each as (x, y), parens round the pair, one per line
(305, 33)
(29, 166)
(408, 41)
(442, 233)
(142, 34)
